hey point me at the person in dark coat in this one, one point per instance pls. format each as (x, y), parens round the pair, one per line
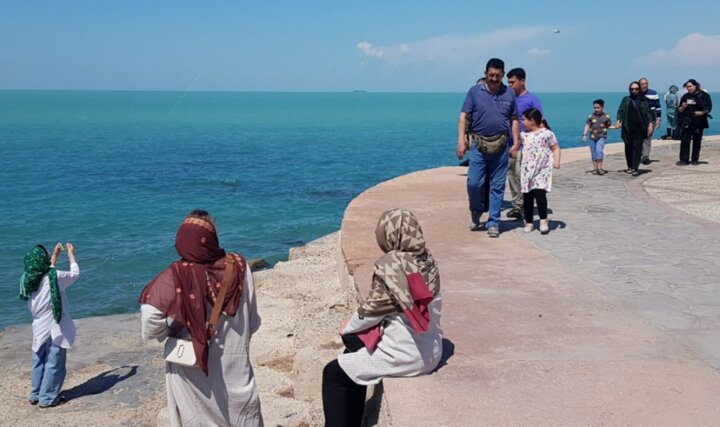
(636, 120)
(695, 106)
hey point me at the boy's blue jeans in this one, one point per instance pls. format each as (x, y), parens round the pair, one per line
(48, 373)
(497, 167)
(596, 148)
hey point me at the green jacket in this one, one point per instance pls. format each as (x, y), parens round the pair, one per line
(646, 117)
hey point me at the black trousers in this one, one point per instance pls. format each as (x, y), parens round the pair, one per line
(696, 136)
(633, 152)
(528, 204)
(343, 400)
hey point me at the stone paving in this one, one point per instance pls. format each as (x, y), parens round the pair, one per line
(652, 241)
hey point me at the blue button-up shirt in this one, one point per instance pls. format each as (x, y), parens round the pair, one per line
(490, 113)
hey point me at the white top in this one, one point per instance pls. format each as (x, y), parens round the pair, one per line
(40, 306)
(227, 396)
(400, 353)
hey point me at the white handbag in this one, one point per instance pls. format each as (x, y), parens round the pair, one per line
(180, 351)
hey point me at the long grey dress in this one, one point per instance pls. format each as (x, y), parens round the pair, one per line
(228, 395)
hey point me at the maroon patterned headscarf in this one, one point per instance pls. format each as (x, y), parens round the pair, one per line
(184, 289)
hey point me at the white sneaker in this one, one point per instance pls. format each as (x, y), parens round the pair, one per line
(544, 226)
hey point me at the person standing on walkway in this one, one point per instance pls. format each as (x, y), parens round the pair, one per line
(694, 108)
(597, 124)
(540, 154)
(654, 102)
(396, 331)
(494, 113)
(43, 287)
(671, 103)
(525, 101)
(220, 389)
(636, 121)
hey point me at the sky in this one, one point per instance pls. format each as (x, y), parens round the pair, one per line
(396, 46)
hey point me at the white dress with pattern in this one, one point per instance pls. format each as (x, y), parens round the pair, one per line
(537, 160)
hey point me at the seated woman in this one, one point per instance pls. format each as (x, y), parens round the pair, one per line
(221, 389)
(402, 311)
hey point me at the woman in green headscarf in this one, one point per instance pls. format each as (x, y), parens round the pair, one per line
(43, 287)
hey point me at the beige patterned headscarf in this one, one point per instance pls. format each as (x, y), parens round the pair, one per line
(400, 237)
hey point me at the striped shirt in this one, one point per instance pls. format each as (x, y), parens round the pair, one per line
(654, 102)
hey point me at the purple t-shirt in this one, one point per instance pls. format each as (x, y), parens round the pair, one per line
(525, 102)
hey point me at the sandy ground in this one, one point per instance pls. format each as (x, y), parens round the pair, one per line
(114, 378)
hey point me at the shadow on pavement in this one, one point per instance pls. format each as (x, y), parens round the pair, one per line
(448, 351)
(99, 383)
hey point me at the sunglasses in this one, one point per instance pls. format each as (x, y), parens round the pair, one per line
(634, 89)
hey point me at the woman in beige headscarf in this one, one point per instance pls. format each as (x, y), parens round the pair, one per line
(396, 331)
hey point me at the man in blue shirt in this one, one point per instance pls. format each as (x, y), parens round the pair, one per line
(525, 101)
(494, 113)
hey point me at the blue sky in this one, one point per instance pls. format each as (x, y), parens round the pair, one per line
(340, 46)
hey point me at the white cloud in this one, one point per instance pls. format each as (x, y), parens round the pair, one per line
(369, 50)
(454, 49)
(693, 50)
(536, 53)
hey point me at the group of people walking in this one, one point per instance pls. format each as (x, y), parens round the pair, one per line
(507, 139)
(639, 115)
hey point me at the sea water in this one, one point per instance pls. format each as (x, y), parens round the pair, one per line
(115, 172)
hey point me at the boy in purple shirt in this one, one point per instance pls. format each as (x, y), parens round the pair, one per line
(525, 101)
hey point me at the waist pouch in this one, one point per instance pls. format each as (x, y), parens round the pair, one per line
(490, 144)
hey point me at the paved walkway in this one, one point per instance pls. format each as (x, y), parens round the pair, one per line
(610, 319)
(652, 241)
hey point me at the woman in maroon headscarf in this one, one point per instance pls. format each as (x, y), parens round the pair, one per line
(221, 389)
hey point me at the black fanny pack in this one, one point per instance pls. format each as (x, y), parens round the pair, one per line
(490, 144)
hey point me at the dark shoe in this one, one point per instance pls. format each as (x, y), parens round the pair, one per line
(681, 163)
(513, 214)
(494, 232)
(475, 220)
(33, 402)
(695, 163)
(646, 161)
(49, 405)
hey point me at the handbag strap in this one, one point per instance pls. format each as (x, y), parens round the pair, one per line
(217, 308)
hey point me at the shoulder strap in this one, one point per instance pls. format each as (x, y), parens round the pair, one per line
(217, 308)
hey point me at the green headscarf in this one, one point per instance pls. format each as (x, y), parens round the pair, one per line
(37, 264)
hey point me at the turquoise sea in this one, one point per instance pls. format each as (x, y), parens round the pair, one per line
(115, 172)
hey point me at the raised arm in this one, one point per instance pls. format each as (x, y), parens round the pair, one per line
(67, 278)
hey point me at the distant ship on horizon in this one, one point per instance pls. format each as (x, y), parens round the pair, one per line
(358, 91)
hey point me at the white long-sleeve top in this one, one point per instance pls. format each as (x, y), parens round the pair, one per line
(40, 306)
(227, 396)
(400, 353)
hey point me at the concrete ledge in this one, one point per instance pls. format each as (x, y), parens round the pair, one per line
(529, 341)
